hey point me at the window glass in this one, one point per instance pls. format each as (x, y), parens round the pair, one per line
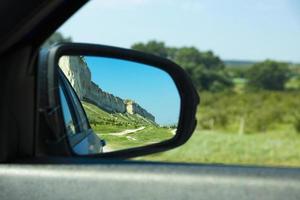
(82, 120)
(69, 119)
(243, 57)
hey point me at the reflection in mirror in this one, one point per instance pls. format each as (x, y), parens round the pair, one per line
(128, 104)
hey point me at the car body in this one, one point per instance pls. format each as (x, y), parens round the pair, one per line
(82, 138)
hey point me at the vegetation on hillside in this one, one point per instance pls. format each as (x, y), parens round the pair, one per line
(209, 72)
(108, 122)
(251, 113)
(111, 127)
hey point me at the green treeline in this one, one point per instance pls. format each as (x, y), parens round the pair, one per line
(206, 69)
(251, 112)
(259, 97)
(210, 73)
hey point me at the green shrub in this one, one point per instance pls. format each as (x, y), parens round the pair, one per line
(261, 111)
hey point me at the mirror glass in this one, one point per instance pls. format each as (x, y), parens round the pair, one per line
(127, 104)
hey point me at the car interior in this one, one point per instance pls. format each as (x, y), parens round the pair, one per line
(41, 158)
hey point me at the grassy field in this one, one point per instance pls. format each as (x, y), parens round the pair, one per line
(111, 127)
(261, 128)
(271, 149)
(270, 136)
(105, 122)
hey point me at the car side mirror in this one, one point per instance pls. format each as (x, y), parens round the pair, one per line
(110, 102)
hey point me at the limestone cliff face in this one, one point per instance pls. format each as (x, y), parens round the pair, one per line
(79, 75)
(133, 108)
(104, 100)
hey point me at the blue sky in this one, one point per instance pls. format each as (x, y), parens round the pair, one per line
(150, 87)
(233, 29)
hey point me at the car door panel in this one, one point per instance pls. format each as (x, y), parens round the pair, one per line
(142, 180)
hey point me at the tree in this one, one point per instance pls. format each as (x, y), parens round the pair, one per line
(206, 69)
(187, 55)
(268, 75)
(211, 61)
(153, 47)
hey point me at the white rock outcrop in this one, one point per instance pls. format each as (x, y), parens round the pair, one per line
(79, 75)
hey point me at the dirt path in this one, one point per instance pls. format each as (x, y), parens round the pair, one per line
(122, 133)
(125, 132)
(173, 131)
(107, 149)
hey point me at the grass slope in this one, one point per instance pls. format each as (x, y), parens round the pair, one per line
(261, 128)
(149, 135)
(272, 149)
(106, 125)
(105, 122)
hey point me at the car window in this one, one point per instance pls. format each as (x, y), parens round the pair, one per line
(82, 120)
(76, 122)
(243, 57)
(69, 118)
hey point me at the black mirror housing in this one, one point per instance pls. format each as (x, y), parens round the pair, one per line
(50, 115)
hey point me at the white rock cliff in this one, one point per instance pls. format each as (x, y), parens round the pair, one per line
(79, 75)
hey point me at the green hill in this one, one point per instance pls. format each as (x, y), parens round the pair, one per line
(123, 130)
(113, 122)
